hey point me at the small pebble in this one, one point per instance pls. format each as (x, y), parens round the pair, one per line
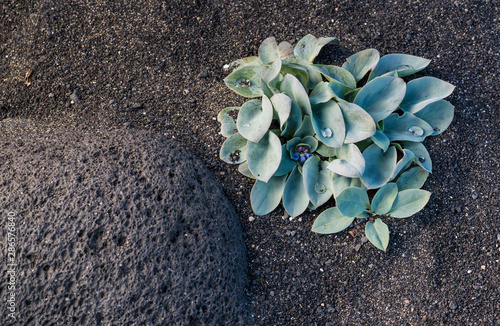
(251, 218)
(126, 124)
(474, 196)
(498, 237)
(185, 92)
(51, 95)
(453, 305)
(407, 302)
(203, 74)
(293, 233)
(112, 101)
(136, 106)
(272, 293)
(74, 97)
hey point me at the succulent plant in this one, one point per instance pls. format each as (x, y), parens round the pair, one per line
(311, 132)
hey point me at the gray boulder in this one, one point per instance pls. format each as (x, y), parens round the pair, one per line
(119, 228)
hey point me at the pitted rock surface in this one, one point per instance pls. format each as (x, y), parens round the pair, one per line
(118, 228)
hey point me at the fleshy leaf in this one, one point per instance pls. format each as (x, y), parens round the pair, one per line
(264, 157)
(234, 149)
(408, 157)
(334, 73)
(305, 129)
(317, 180)
(295, 199)
(359, 124)
(243, 169)
(314, 76)
(422, 156)
(296, 70)
(321, 93)
(282, 105)
(309, 46)
(292, 87)
(326, 151)
(381, 140)
(254, 119)
(285, 50)
(423, 91)
(412, 179)
(270, 78)
(406, 127)
(379, 166)
(360, 63)
(352, 201)
(286, 164)
(293, 122)
(228, 125)
(384, 198)
(438, 115)
(350, 162)
(245, 62)
(268, 51)
(378, 234)
(409, 202)
(246, 81)
(403, 64)
(340, 183)
(381, 96)
(331, 221)
(265, 197)
(329, 124)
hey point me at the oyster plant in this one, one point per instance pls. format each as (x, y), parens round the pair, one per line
(311, 132)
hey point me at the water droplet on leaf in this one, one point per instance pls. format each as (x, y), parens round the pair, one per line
(320, 188)
(415, 131)
(326, 132)
(421, 159)
(436, 129)
(245, 125)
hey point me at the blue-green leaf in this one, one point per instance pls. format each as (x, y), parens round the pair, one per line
(314, 76)
(285, 50)
(438, 115)
(317, 180)
(329, 124)
(403, 64)
(405, 161)
(265, 197)
(292, 87)
(283, 106)
(245, 62)
(254, 119)
(423, 91)
(334, 73)
(349, 163)
(296, 70)
(422, 156)
(309, 46)
(268, 51)
(409, 202)
(246, 81)
(293, 122)
(234, 149)
(321, 93)
(264, 157)
(228, 125)
(338, 90)
(270, 79)
(326, 151)
(378, 234)
(412, 179)
(295, 199)
(243, 169)
(286, 164)
(340, 183)
(381, 96)
(360, 63)
(384, 198)
(306, 128)
(358, 123)
(406, 127)
(353, 201)
(331, 221)
(381, 140)
(379, 166)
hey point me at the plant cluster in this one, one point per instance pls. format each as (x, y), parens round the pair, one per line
(353, 132)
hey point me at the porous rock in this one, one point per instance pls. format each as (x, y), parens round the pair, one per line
(120, 228)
